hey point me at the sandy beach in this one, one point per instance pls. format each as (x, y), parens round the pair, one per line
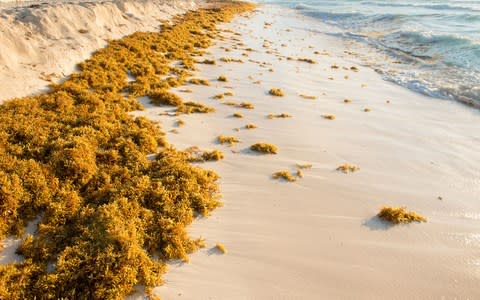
(317, 237)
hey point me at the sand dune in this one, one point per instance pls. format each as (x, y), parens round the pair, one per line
(43, 43)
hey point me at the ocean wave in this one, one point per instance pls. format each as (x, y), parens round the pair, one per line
(435, 47)
(427, 6)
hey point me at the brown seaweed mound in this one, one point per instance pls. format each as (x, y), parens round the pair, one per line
(399, 215)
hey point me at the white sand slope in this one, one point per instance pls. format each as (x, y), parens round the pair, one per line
(318, 238)
(45, 42)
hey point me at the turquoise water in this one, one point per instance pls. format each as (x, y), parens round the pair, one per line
(434, 46)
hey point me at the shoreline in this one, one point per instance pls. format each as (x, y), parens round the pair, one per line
(319, 235)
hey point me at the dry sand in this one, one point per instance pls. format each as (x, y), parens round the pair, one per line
(44, 42)
(318, 238)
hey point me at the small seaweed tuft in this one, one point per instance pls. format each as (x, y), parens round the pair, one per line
(229, 59)
(329, 117)
(213, 155)
(237, 115)
(246, 105)
(307, 60)
(286, 175)
(230, 140)
(399, 215)
(276, 92)
(250, 126)
(207, 62)
(278, 116)
(346, 168)
(199, 81)
(221, 248)
(193, 107)
(264, 148)
(222, 78)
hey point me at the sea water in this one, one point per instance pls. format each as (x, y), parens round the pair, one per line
(433, 46)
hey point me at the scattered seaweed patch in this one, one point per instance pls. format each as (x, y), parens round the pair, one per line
(237, 115)
(207, 62)
(250, 126)
(194, 154)
(264, 148)
(329, 117)
(222, 78)
(308, 97)
(307, 60)
(399, 215)
(221, 248)
(346, 168)
(285, 175)
(109, 217)
(246, 105)
(194, 107)
(276, 92)
(199, 81)
(213, 155)
(230, 59)
(218, 96)
(279, 116)
(230, 140)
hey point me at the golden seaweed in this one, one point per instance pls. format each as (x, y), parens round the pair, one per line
(399, 215)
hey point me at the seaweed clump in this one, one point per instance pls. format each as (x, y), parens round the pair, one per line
(276, 92)
(246, 105)
(264, 148)
(307, 60)
(399, 215)
(230, 140)
(279, 116)
(329, 117)
(346, 168)
(109, 218)
(237, 115)
(194, 154)
(199, 81)
(221, 247)
(285, 175)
